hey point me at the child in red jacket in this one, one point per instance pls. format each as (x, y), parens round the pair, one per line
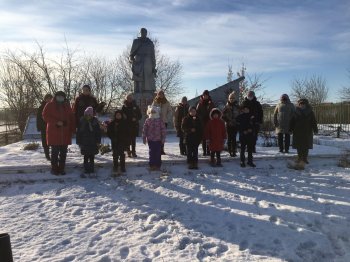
(215, 134)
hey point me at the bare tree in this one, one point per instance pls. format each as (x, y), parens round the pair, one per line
(314, 89)
(16, 93)
(344, 92)
(250, 83)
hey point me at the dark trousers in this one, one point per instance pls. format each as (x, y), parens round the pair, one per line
(255, 135)
(181, 144)
(247, 142)
(89, 163)
(44, 144)
(155, 148)
(231, 139)
(118, 158)
(218, 157)
(284, 145)
(192, 152)
(205, 147)
(303, 153)
(132, 144)
(58, 155)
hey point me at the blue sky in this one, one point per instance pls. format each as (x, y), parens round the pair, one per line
(277, 39)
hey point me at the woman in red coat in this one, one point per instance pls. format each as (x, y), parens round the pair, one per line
(60, 127)
(215, 134)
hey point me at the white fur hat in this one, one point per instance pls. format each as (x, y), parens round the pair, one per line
(153, 111)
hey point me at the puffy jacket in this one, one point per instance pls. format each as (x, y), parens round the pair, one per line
(189, 123)
(88, 135)
(215, 132)
(52, 114)
(282, 117)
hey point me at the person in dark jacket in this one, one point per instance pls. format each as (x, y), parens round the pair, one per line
(230, 112)
(88, 138)
(303, 125)
(133, 115)
(181, 111)
(41, 125)
(83, 101)
(215, 134)
(118, 133)
(256, 110)
(60, 126)
(204, 106)
(192, 130)
(246, 124)
(282, 116)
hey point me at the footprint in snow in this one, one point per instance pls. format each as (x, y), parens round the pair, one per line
(124, 252)
(243, 245)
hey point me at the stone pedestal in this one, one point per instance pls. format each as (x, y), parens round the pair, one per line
(143, 100)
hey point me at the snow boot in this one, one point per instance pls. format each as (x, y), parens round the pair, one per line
(122, 163)
(54, 169)
(242, 164)
(61, 167)
(251, 164)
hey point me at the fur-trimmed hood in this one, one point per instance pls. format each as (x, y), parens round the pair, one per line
(215, 109)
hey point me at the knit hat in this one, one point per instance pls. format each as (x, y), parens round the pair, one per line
(60, 93)
(191, 108)
(206, 92)
(86, 86)
(184, 99)
(284, 96)
(89, 111)
(47, 96)
(232, 95)
(251, 93)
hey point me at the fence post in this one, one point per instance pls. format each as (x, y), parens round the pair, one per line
(5, 248)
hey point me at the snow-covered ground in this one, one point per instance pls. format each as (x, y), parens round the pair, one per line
(268, 213)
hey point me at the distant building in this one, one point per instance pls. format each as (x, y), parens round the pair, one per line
(219, 95)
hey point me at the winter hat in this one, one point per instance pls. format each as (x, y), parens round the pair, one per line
(251, 94)
(285, 96)
(184, 99)
(86, 86)
(118, 111)
(191, 108)
(206, 92)
(215, 111)
(232, 95)
(60, 93)
(303, 101)
(153, 111)
(89, 111)
(47, 96)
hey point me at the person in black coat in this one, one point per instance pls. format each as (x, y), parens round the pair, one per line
(133, 115)
(41, 125)
(204, 106)
(192, 128)
(83, 101)
(88, 138)
(303, 125)
(256, 110)
(117, 131)
(181, 111)
(246, 124)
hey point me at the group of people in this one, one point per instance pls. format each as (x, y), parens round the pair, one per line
(207, 125)
(202, 124)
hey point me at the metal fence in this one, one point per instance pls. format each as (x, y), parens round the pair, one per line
(332, 119)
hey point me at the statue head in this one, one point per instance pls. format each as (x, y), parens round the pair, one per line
(143, 32)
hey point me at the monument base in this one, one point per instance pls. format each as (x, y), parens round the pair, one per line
(143, 100)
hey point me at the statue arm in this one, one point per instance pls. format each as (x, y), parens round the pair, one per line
(133, 50)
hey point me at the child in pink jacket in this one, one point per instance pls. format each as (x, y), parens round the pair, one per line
(154, 133)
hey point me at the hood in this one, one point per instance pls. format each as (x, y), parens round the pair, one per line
(153, 112)
(214, 110)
